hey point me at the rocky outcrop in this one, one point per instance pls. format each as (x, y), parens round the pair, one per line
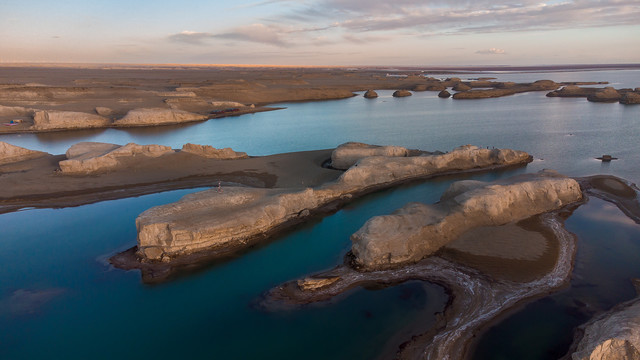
(461, 87)
(506, 89)
(233, 218)
(402, 93)
(11, 153)
(314, 284)
(444, 94)
(418, 230)
(370, 94)
(572, 91)
(346, 155)
(614, 335)
(212, 219)
(63, 120)
(607, 94)
(213, 153)
(103, 111)
(420, 87)
(630, 98)
(376, 170)
(89, 158)
(157, 116)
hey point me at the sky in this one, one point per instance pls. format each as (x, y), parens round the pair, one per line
(321, 32)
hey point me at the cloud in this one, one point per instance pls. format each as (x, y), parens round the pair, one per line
(491, 51)
(190, 37)
(459, 17)
(362, 39)
(259, 33)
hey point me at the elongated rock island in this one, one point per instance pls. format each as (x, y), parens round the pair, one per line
(418, 230)
(235, 217)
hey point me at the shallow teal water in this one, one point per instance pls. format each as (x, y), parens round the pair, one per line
(59, 299)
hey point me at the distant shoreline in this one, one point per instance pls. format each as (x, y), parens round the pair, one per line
(443, 69)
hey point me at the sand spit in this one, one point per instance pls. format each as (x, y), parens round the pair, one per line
(476, 299)
(213, 220)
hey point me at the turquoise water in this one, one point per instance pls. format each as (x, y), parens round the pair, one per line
(59, 299)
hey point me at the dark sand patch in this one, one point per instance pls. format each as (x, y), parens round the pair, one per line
(519, 252)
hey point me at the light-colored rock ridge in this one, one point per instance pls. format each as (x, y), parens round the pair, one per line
(62, 120)
(88, 157)
(614, 335)
(11, 153)
(346, 155)
(213, 153)
(157, 116)
(418, 230)
(234, 217)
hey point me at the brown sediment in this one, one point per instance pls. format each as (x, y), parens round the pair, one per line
(36, 183)
(519, 252)
(113, 91)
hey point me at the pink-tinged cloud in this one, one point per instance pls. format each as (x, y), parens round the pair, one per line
(491, 51)
(259, 33)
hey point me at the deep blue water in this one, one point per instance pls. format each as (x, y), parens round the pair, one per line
(59, 299)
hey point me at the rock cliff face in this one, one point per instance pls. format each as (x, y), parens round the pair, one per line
(157, 116)
(346, 155)
(11, 153)
(614, 335)
(61, 120)
(235, 217)
(213, 153)
(418, 230)
(88, 158)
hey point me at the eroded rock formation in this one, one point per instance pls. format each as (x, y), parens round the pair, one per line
(233, 218)
(607, 94)
(444, 94)
(213, 153)
(402, 93)
(88, 157)
(157, 116)
(418, 230)
(614, 335)
(11, 153)
(62, 120)
(346, 155)
(370, 94)
(630, 98)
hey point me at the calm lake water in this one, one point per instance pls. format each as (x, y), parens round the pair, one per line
(59, 298)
